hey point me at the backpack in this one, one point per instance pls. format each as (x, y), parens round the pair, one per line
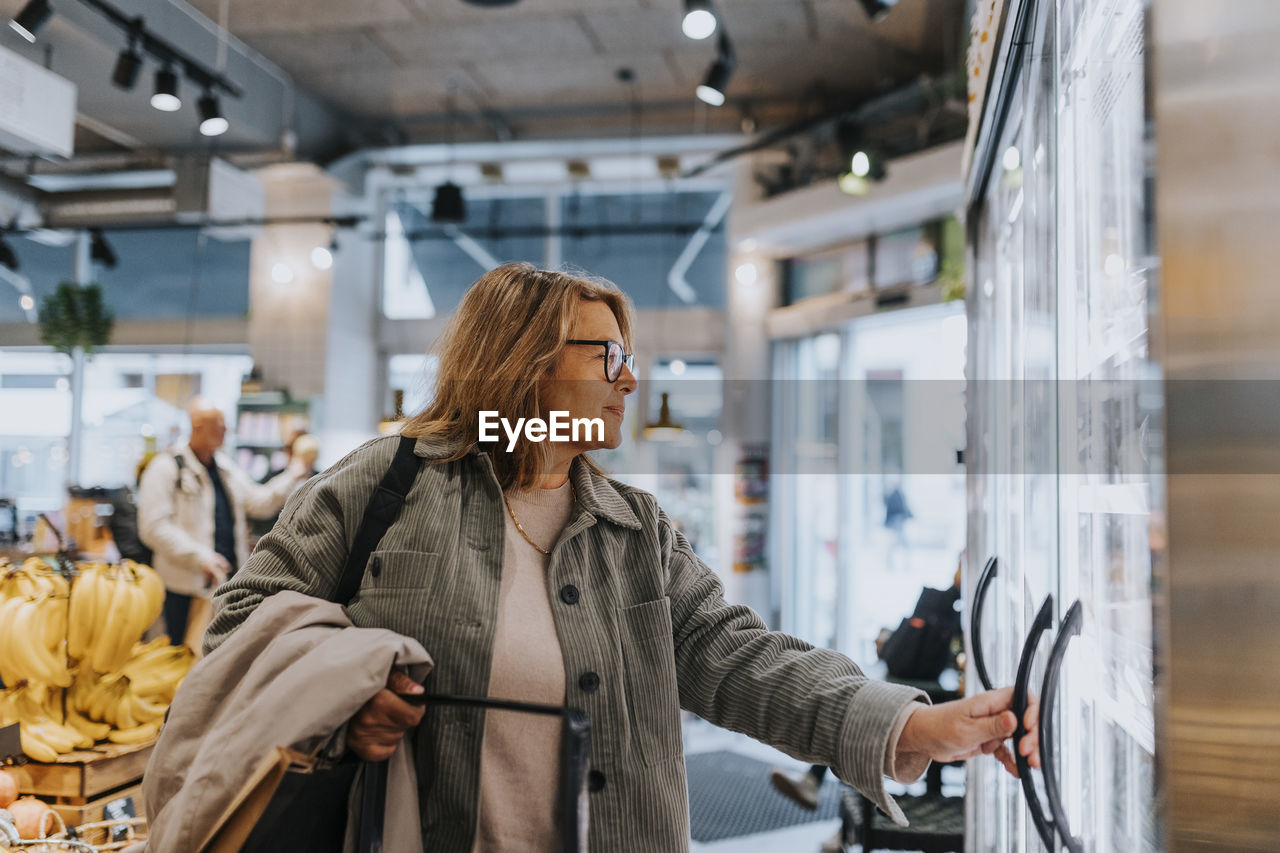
(920, 648)
(123, 524)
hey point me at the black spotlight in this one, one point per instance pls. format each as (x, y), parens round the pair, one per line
(8, 258)
(128, 65)
(449, 206)
(699, 19)
(712, 90)
(166, 98)
(212, 122)
(33, 16)
(877, 9)
(100, 251)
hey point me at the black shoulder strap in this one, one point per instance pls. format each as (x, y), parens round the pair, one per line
(182, 464)
(382, 510)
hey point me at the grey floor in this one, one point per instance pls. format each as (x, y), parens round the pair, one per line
(701, 736)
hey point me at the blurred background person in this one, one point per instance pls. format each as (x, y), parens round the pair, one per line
(192, 508)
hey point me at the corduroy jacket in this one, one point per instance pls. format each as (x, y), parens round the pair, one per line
(632, 604)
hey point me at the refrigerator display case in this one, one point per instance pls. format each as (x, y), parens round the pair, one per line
(1065, 416)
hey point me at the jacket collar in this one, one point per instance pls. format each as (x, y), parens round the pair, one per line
(596, 494)
(193, 462)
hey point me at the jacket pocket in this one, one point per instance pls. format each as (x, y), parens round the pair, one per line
(653, 700)
(408, 570)
(404, 611)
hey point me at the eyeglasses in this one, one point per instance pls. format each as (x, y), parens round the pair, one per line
(614, 357)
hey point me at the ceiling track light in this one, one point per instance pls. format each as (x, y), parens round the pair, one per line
(700, 20)
(33, 16)
(8, 258)
(128, 66)
(129, 63)
(448, 206)
(212, 122)
(714, 85)
(100, 251)
(876, 9)
(166, 97)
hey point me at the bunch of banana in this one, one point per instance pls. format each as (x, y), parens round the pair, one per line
(132, 703)
(156, 669)
(33, 625)
(110, 608)
(38, 711)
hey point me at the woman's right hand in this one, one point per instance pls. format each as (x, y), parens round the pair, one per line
(376, 729)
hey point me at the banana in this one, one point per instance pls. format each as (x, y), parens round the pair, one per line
(94, 731)
(39, 662)
(120, 713)
(135, 734)
(83, 615)
(53, 735)
(8, 666)
(35, 748)
(153, 591)
(144, 711)
(102, 655)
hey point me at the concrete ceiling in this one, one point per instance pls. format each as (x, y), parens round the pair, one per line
(342, 74)
(323, 79)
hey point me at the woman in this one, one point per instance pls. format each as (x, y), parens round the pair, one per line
(529, 575)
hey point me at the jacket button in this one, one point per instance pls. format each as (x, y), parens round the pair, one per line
(376, 568)
(569, 594)
(595, 781)
(589, 682)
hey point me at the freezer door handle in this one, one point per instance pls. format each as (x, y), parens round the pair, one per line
(1048, 694)
(989, 571)
(1043, 620)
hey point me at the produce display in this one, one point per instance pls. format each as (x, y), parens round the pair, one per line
(74, 669)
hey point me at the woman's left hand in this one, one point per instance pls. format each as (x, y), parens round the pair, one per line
(977, 725)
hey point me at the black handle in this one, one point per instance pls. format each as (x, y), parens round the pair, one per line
(1070, 628)
(989, 571)
(1041, 624)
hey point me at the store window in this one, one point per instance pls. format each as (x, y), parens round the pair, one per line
(127, 397)
(909, 256)
(427, 267)
(648, 244)
(846, 269)
(159, 275)
(677, 465)
(902, 505)
(415, 376)
(807, 488)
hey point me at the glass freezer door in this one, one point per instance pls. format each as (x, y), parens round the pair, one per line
(1111, 412)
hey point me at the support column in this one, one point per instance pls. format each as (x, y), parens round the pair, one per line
(747, 424)
(82, 274)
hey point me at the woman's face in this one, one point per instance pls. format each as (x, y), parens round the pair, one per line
(578, 384)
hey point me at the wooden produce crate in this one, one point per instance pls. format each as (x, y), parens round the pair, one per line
(73, 814)
(85, 780)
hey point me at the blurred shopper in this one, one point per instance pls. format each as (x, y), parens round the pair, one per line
(301, 445)
(192, 505)
(529, 575)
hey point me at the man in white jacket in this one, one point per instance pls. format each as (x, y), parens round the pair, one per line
(192, 504)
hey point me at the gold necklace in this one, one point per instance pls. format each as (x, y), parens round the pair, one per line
(520, 527)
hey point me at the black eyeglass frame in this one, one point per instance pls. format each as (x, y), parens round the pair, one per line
(628, 358)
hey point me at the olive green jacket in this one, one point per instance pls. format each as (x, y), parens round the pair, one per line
(632, 604)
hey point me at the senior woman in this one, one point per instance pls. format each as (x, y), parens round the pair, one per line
(529, 575)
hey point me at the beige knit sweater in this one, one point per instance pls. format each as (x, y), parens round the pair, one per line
(520, 758)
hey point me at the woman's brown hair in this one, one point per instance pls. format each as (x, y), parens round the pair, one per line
(504, 338)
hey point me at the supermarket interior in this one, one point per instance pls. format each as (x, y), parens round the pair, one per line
(926, 355)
